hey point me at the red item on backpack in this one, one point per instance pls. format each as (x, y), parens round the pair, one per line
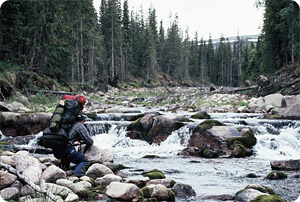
(81, 99)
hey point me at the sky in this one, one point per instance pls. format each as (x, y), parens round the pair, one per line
(206, 17)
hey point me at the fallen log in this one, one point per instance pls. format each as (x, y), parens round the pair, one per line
(28, 181)
(50, 91)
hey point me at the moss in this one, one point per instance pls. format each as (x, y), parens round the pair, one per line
(268, 198)
(248, 140)
(276, 175)
(4, 143)
(201, 115)
(239, 150)
(205, 125)
(276, 116)
(146, 192)
(173, 182)
(263, 189)
(154, 174)
(172, 195)
(136, 125)
(92, 193)
(208, 153)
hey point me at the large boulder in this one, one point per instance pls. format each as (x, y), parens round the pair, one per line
(291, 112)
(212, 137)
(286, 165)
(290, 100)
(156, 128)
(158, 191)
(33, 173)
(255, 193)
(95, 154)
(98, 170)
(183, 190)
(123, 191)
(53, 173)
(21, 124)
(6, 179)
(273, 99)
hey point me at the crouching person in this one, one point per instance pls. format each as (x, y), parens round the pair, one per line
(77, 134)
(65, 130)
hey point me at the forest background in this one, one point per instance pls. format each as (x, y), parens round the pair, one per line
(71, 44)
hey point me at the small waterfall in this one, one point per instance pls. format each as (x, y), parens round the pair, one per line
(2, 137)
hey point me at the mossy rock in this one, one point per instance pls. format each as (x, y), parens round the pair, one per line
(88, 194)
(4, 143)
(276, 175)
(248, 140)
(268, 198)
(239, 150)
(154, 174)
(135, 125)
(201, 115)
(146, 192)
(209, 153)
(275, 116)
(205, 125)
(263, 189)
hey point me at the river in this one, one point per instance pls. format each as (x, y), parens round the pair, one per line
(276, 140)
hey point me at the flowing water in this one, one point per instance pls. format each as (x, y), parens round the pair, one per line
(276, 140)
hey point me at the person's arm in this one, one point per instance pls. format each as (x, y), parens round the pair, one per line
(83, 133)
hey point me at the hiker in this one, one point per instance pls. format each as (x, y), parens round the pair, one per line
(66, 130)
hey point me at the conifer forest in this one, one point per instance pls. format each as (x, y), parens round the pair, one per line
(69, 42)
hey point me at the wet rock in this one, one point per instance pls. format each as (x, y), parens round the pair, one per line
(158, 191)
(276, 175)
(201, 115)
(154, 174)
(286, 165)
(107, 179)
(251, 175)
(166, 182)
(183, 190)
(6, 179)
(95, 154)
(53, 173)
(292, 112)
(248, 195)
(199, 152)
(140, 182)
(223, 197)
(98, 170)
(9, 193)
(123, 191)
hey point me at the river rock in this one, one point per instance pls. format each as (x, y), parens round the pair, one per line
(286, 165)
(107, 179)
(9, 193)
(63, 182)
(122, 191)
(19, 107)
(95, 154)
(183, 190)
(53, 173)
(7, 160)
(23, 161)
(273, 99)
(166, 182)
(6, 179)
(290, 100)
(17, 184)
(291, 112)
(28, 190)
(58, 190)
(98, 170)
(79, 186)
(71, 198)
(248, 195)
(20, 124)
(158, 191)
(33, 173)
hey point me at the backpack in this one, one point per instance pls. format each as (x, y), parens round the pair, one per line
(64, 116)
(54, 140)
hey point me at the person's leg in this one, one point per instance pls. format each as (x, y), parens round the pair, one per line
(63, 155)
(79, 159)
